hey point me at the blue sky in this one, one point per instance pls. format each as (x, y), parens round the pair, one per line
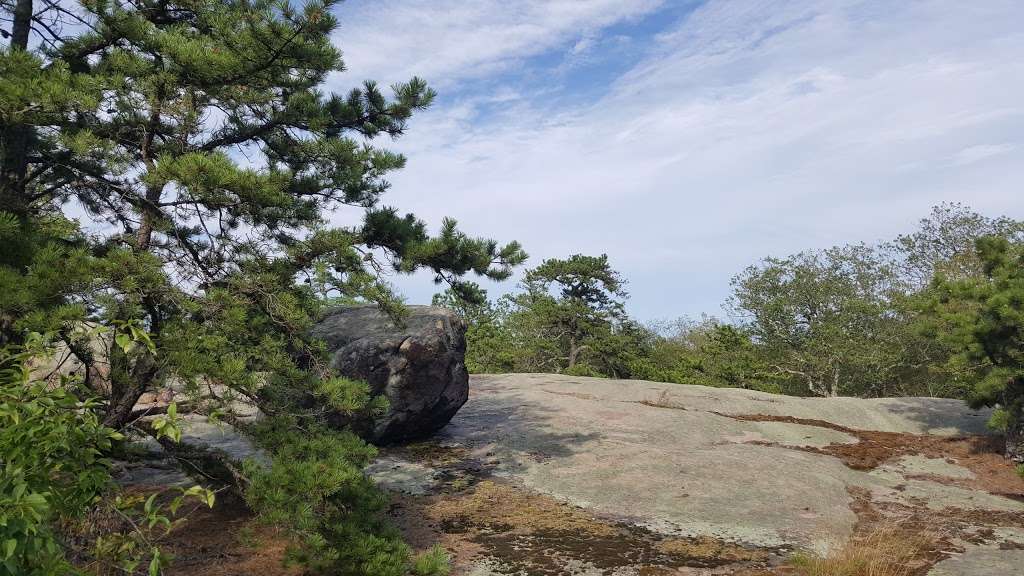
(688, 140)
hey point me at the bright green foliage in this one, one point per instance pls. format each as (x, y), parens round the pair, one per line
(206, 251)
(490, 346)
(707, 353)
(729, 358)
(199, 140)
(34, 93)
(149, 519)
(43, 267)
(54, 471)
(434, 561)
(51, 453)
(983, 319)
(828, 322)
(570, 318)
(841, 321)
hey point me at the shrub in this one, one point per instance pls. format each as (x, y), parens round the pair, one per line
(434, 562)
(999, 421)
(55, 483)
(315, 487)
(51, 453)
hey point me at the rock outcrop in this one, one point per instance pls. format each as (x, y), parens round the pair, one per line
(418, 365)
(616, 477)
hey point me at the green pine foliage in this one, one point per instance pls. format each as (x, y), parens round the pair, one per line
(982, 318)
(575, 306)
(316, 488)
(490, 346)
(197, 138)
(708, 353)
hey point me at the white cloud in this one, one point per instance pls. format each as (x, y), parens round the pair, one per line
(751, 128)
(972, 154)
(446, 41)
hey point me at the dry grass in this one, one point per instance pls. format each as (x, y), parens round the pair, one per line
(501, 506)
(888, 551)
(707, 548)
(664, 400)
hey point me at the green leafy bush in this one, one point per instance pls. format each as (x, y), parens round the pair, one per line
(55, 482)
(51, 452)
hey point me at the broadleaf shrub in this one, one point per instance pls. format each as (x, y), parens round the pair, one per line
(51, 465)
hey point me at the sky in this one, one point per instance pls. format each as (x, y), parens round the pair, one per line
(688, 140)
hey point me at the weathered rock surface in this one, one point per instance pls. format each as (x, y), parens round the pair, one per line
(695, 463)
(206, 449)
(418, 366)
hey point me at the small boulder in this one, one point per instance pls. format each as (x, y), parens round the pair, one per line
(418, 365)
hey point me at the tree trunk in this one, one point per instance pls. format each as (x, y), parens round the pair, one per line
(16, 136)
(127, 385)
(22, 24)
(1013, 400)
(574, 352)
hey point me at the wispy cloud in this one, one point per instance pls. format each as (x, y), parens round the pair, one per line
(972, 154)
(744, 129)
(447, 41)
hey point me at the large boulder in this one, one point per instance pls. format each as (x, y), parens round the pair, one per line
(418, 364)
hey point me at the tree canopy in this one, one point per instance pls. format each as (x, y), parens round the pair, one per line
(982, 319)
(169, 172)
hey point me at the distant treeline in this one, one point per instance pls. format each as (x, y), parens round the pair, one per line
(855, 320)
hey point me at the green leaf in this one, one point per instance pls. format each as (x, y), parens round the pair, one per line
(154, 564)
(124, 341)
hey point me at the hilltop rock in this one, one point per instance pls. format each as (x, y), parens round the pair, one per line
(620, 477)
(418, 365)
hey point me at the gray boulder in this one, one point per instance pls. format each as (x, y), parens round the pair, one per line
(418, 365)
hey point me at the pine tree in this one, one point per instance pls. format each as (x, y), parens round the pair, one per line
(575, 305)
(198, 138)
(983, 318)
(212, 155)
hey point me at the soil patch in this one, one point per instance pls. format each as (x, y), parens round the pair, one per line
(226, 541)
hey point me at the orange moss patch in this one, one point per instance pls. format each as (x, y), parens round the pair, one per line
(982, 455)
(501, 507)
